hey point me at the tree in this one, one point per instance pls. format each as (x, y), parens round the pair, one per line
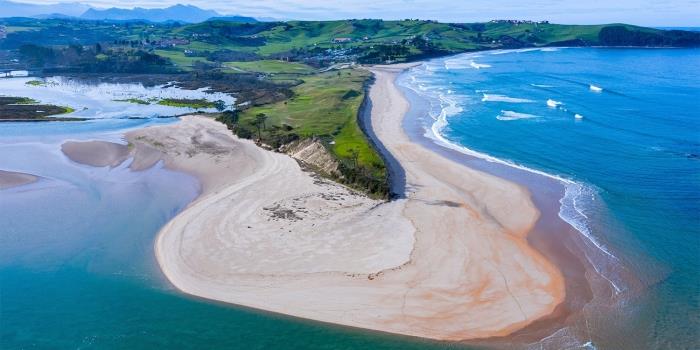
(260, 121)
(354, 155)
(261, 118)
(220, 105)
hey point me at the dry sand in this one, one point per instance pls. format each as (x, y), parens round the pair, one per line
(450, 262)
(9, 179)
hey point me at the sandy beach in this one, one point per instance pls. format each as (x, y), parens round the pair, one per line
(449, 260)
(9, 179)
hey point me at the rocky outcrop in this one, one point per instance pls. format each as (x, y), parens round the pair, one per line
(312, 153)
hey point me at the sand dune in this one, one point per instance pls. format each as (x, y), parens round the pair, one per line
(448, 262)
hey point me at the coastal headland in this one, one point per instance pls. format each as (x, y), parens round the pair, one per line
(450, 261)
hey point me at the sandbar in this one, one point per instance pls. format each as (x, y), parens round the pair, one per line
(448, 261)
(96, 153)
(9, 179)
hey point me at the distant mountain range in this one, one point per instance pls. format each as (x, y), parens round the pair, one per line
(18, 9)
(178, 13)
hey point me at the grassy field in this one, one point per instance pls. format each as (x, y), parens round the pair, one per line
(270, 67)
(14, 29)
(178, 58)
(325, 105)
(134, 100)
(184, 102)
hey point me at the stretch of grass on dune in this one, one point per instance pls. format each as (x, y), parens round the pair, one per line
(36, 83)
(325, 105)
(187, 102)
(137, 101)
(270, 67)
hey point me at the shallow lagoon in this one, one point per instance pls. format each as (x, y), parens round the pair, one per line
(103, 100)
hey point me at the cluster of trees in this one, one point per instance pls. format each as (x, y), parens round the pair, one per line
(408, 49)
(371, 179)
(622, 36)
(247, 87)
(240, 34)
(94, 59)
(63, 34)
(130, 43)
(229, 56)
(274, 135)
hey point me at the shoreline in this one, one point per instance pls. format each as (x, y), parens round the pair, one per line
(554, 235)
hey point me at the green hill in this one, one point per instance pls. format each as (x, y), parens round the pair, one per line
(321, 43)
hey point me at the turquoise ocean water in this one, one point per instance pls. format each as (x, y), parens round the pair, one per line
(621, 128)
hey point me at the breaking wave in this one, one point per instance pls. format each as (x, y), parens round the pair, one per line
(511, 115)
(503, 98)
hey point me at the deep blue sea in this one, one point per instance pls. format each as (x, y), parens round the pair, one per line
(621, 128)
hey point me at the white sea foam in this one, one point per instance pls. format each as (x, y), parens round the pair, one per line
(502, 52)
(578, 116)
(479, 65)
(529, 49)
(511, 115)
(503, 98)
(553, 104)
(463, 61)
(573, 213)
(563, 338)
(542, 85)
(595, 88)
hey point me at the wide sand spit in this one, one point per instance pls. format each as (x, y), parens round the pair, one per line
(450, 261)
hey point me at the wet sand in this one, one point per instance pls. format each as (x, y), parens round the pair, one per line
(96, 153)
(9, 179)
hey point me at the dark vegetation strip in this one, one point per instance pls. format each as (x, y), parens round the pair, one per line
(26, 109)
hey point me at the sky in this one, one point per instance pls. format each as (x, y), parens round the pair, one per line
(640, 12)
